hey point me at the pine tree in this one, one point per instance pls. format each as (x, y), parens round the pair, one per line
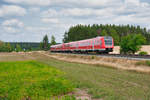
(104, 33)
(53, 42)
(9, 48)
(115, 36)
(45, 43)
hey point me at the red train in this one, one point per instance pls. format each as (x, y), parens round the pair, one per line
(102, 44)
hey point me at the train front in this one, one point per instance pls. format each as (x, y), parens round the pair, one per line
(109, 43)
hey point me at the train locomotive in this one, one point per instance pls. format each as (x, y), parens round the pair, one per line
(100, 44)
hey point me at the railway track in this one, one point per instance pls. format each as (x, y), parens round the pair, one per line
(131, 57)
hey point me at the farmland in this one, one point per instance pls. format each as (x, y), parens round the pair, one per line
(100, 81)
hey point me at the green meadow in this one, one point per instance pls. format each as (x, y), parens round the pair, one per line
(46, 78)
(31, 80)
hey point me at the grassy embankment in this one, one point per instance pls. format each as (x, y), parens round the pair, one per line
(146, 63)
(30, 80)
(104, 82)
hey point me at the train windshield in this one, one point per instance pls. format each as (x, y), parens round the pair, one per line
(108, 40)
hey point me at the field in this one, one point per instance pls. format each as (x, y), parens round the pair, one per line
(30, 80)
(101, 82)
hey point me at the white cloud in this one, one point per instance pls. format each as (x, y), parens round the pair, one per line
(10, 29)
(59, 15)
(50, 20)
(31, 2)
(82, 3)
(50, 13)
(125, 8)
(11, 10)
(12, 25)
(34, 9)
(37, 29)
(77, 12)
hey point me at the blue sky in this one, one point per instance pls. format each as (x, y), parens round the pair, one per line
(30, 20)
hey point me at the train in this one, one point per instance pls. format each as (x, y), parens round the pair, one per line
(100, 44)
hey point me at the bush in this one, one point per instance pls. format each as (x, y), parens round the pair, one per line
(143, 53)
(93, 57)
(148, 63)
(131, 43)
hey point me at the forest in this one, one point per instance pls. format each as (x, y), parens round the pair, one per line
(80, 32)
(26, 45)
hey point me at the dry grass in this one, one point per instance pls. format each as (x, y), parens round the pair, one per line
(124, 64)
(15, 57)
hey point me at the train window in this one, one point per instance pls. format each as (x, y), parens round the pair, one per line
(108, 41)
(98, 42)
(86, 43)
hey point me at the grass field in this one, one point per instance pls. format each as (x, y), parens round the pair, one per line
(44, 78)
(104, 82)
(31, 80)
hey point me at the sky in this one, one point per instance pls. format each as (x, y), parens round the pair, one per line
(30, 20)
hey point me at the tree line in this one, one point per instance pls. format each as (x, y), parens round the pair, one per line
(81, 32)
(27, 46)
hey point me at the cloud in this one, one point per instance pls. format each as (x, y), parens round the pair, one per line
(77, 12)
(30, 2)
(13, 22)
(34, 9)
(11, 10)
(10, 29)
(12, 25)
(37, 29)
(56, 16)
(50, 20)
(66, 3)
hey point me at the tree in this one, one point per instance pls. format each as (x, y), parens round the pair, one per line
(132, 43)
(1, 46)
(9, 48)
(104, 33)
(53, 42)
(5, 47)
(18, 48)
(115, 36)
(45, 43)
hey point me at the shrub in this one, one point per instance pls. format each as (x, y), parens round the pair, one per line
(148, 63)
(93, 57)
(131, 43)
(143, 53)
